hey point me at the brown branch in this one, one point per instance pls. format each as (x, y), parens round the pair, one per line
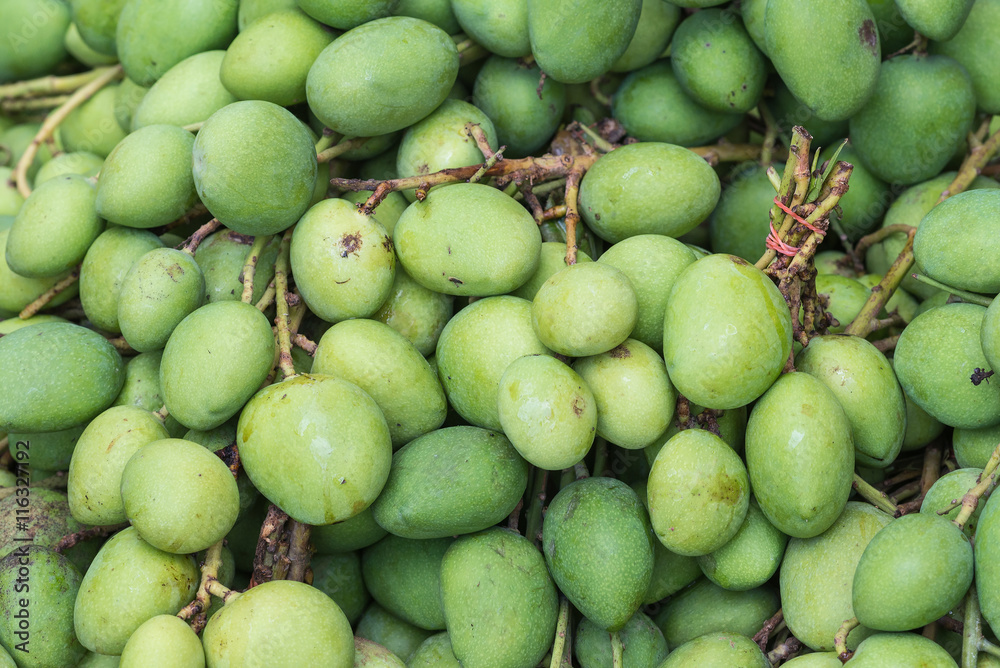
(762, 636)
(269, 546)
(72, 539)
(192, 242)
(572, 214)
(304, 343)
(281, 271)
(299, 551)
(50, 294)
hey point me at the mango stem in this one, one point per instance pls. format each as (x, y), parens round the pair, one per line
(617, 650)
(984, 483)
(50, 294)
(559, 645)
(840, 640)
(964, 295)
(281, 271)
(250, 266)
(879, 499)
(195, 611)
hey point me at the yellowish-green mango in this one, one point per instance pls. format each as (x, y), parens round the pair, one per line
(415, 312)
(974, 47)
(959, 233)
(889, 650)
(347, 14)
(166, 641)
(404, 576)
(31, 40)
(501, 27)
(187, 93)
(382, 627)
(718, 649)
(933, 20)
(435, 652)
(706, 607)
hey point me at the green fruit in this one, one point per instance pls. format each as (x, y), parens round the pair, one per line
(949, 490)
(389, 210)
(189, 92)
(101, 453)
(49, 521)
(973, 447)
(468, 239)
(486, 479)
(56, 375)
(834, 70)
(901, 650)
(934, 358)
(934, 21)
(10, 199)
(415, 312)
(501, 27)
(82, 52)
(382, 76)
(551, 259)
(618, 198)
(846, 297)
(399, 637)
(438, 12)
(643, 643)
(727, 332)
(128, 97)
(281, 620)
(368, 654)
(707, 608)
(499, 601)
(657, 21)
(97, 20)
(142, 388)
(161, 637)
(989, 337)
(905, 138)
(732, 426)
(575, 42)
(435, 652)
(716, 62)
(355, 533)
(404, 576)
(251, 10)
(718, 649)
(161, 289)
(987, 560)
(671, 572)
(815, 660)
(31, 41)
(152, 36)
(17, 138)
(817, 575)
(339, 577)
(507, 92)
(214, 362)
(347, 14)
(329, 469)
(732, 230)
(54, 228)
(93, 126)
(129, 582)
(946, 249)
(750, 558)
(975, 49)
(800, 455)
(221, 258)
(84, 163)
(50, 451)
(893, 32)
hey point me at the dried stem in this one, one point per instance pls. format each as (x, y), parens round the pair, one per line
(270, 549)
(304, 343)
(572, 213)
(874, 496)
(887, 344)
(50, 294)
(195, 611)
(281, 271)
(870, 240)
(192, 242)
(71, 540)
(790, 192)
(250, 266)
(32, 104)
(299, 550)
(784, 651)
(50, 84)
(559, 646)
(764, 635)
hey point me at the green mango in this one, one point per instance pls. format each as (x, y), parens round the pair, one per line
(161, 637)
(158, 292)
(552, 258)
(438, 12)
(434, 652)
(657, 22)
(97, 21)
(501, 27)
(347, 14)
(831, 66)
(442, 241)
(946, 248)
(975, 48)
(687, 521)
(718, 649)
(404, 577)
(128, 97)
(846, 297)
(935, 21)
(866, 388)
(37, 590)
(355, 533)
(154, 36)
(973, 447)
(903, 137)
(18, 291)
(989, 337)
(142, 388)
(716, 62)
(255, 188)
(643, 643)
(950, 488)
(54, 228)
(506, 90)
(921, 429)
(14, 323)
(93, 126)
(221, 257)
(934, 358)
(987, 560)
(415, 312)
(671, 572)
(49, 521)
(99, 459)
(251, 10)
(339, 577)
(800, 455)
(17, 138)
(399, 637)
(94, 660)
(10, 199)
(732, 230)
(574, 42)
(31, 41)
(815, 660)
(43, 387)
(382, 76)
(129, 582)
(283, 621)
(52, 450)
(901, 650)
(499, 601)
(324, 485)
(911, 573)
(732, 425)
(893, 32)
(618, 198)
(727, 332)
(750, 557)
(189, 92)
(706, 608)
(389, 210)
(486, 480)
(82, 52)
(84, 163)
(752, 12)
(817, 576)
(372, 655)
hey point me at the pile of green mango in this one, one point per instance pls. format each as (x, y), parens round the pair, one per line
(509, 444)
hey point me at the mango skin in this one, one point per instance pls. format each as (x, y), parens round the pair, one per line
(486, 480)
(347, 14)
(705, 607)
(368, 654)
(189, 92)
(657, 23)
(989, 337)
(976, 49)
(56, 375)
(987, 560)
(404, 576)
(435, 652)
(835, 70)
(951, 487)
(501, 27)
(32, 38)
(339, 577)
(380, 626)
(355, 533)
(643, 643)
(962, 232)
(901, 650)
(419, 314)
(732, 230)
(750, 558)
(499, 601)
(382, 76)
(717, 649)
(935, 21)
(575, 42)
(163, 635)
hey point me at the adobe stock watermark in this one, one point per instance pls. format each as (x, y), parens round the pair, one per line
(21, 613)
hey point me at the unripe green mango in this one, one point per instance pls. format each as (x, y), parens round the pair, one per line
(718, 649)
(618, 198)
(255, 188)
(50, 451)
(382, 76)
(43, 387)
(727, 332)
(750, 557)
(643, 643)
(355, 533)
(189, 92)
(31, 41)
(507, 91)
(166, 641)
(846, 297)
(707, 608)
(158, 292)
(142, 388)
(154, 36)
(93, 125)
(575, 42)
(901, 650)
(671, 571)
(251, 10)
(368, 654)
(552, 258)
(54, 228)
(904, 137)
(415, 312)
(83, 53)
(380, 626)
(37, 590)
(404, 576)
(339, 577)
(832, 66)
(218, 440)
(486, 480)
(657, 22)
(128, 97)
(221, 258)
(698, 493)
(347, 14)
(94, 660)
(214, 361)
(129, 582)
(281, 618)
(948, 490)
(893, 32)
(589, 524)
(49, 521)
(934, 359)
(18, 137)
(800, 455)
(935, 21)
(435, 652)
(866, 388)
(817, 577)
(732, 426)
(10, 199)
(468, 239)
(976, 49)
(499, 601)
(959, 233)
(973, 447)
(732, 230)
(987, 560)
(97, 21)
(438, 12)
(270, 60)
(501, 27)
(989, 337)
(84, 163)
(815, 660)
(389, 210)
